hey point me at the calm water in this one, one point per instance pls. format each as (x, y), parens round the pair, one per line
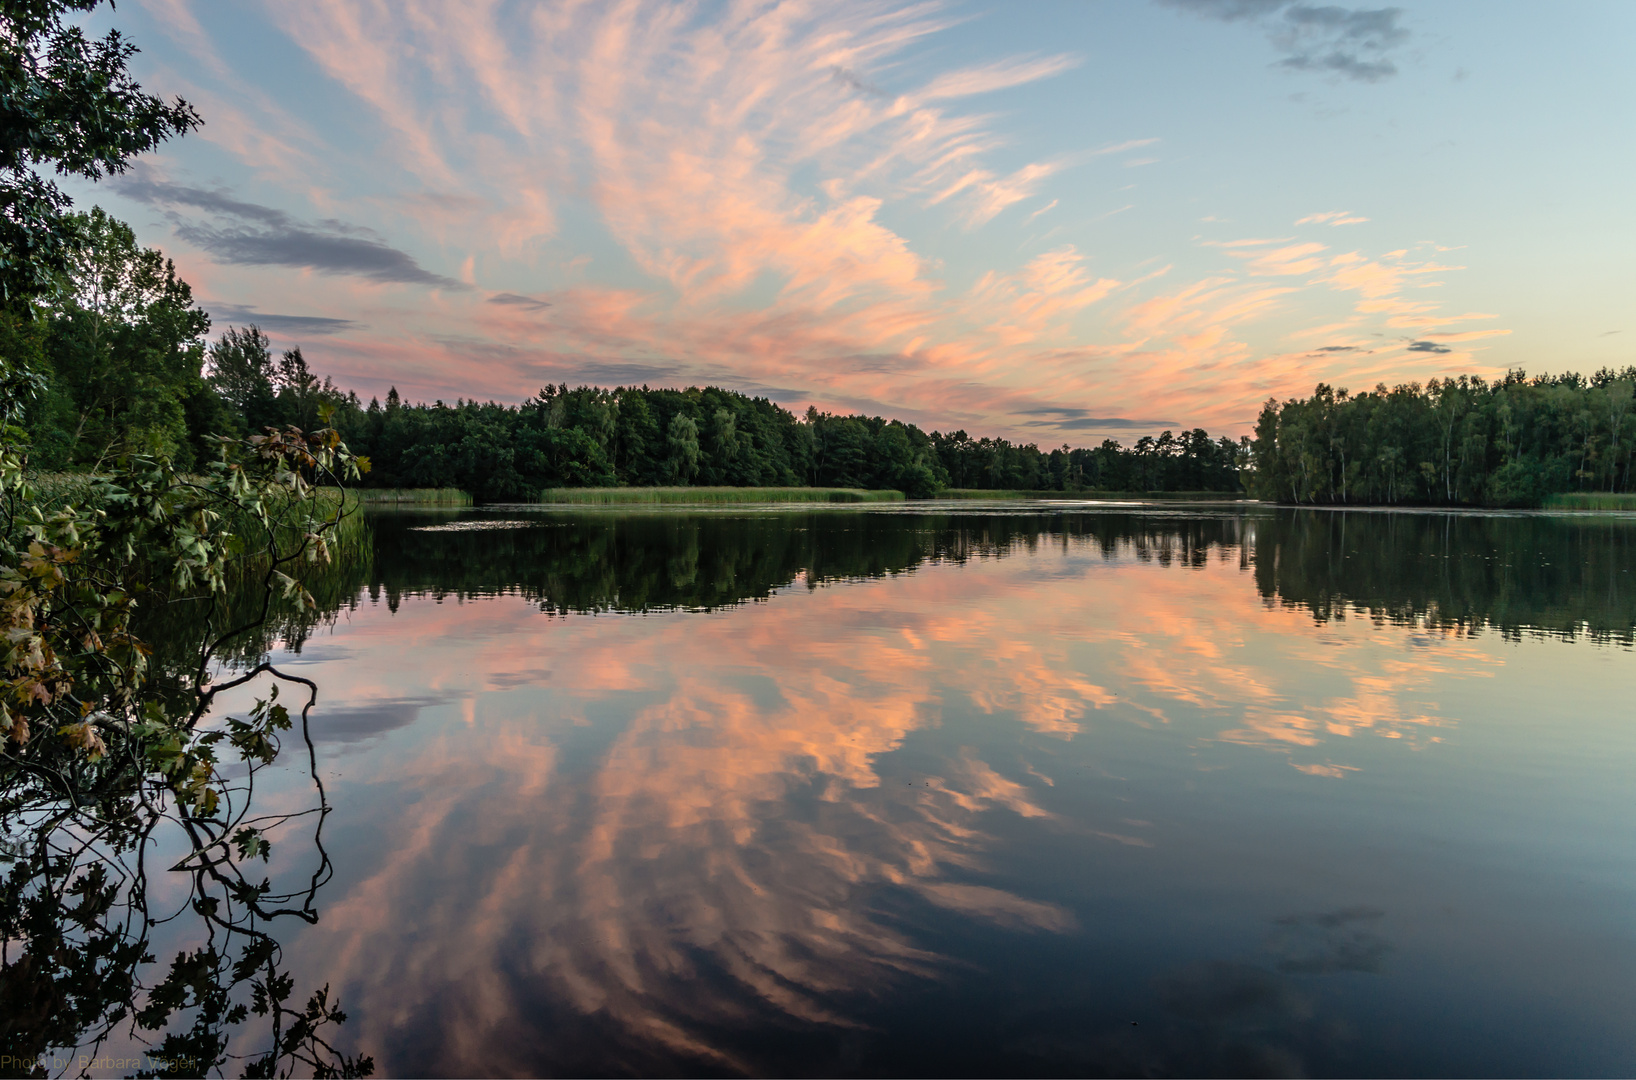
(1032, 789)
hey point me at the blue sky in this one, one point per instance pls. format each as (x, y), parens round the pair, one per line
(1051, 221)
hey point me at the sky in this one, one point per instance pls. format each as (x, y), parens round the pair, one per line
(1054, 222)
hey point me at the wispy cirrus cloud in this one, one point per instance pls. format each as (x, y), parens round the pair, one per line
(1333, 217)
(1120, 148)
(1000, 75)
(662, 193)
(1050, 288)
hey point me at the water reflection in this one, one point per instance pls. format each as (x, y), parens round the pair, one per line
(1515, 573)
(140, 932)
(1022, 792)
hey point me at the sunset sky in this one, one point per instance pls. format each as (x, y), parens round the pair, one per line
(1054, 222)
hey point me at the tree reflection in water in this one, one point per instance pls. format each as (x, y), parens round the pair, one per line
(136, 833)
(79, 918)
(1519, 573)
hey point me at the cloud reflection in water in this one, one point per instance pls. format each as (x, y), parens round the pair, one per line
(668, 828)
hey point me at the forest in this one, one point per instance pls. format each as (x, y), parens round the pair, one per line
(1453, 442)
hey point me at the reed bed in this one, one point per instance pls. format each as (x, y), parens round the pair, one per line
(445, 496)
(1094, 496)
(639, 496)
(349, 540)
(58, 489)
(1591, 500)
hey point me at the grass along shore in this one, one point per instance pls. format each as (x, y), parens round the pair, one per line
(1591, 500)
(1091, 496)
(445, 496)
(637, 496)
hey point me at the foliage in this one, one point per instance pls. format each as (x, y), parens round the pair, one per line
(1454, 442)
(68, 102)
(241, 372)
(108, 742)
(1191, 461)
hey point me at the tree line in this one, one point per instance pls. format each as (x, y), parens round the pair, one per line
(631, 435)
(1452, 442)
(127, 367)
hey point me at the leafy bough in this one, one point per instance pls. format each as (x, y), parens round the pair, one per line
(108, 741)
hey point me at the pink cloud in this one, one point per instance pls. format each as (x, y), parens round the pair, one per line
(1000, 75)
(741, 175)
(1332, 217)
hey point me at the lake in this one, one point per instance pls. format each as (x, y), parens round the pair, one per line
(1008, 788)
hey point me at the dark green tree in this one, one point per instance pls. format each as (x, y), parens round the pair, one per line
(682, 442)
(69, 104)
(1453, 442)
(124, 351)
(241, 372)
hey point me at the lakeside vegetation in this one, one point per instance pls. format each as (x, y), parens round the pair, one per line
(447, 496)
(698, 437)
(1592, 500)
(633, 496)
